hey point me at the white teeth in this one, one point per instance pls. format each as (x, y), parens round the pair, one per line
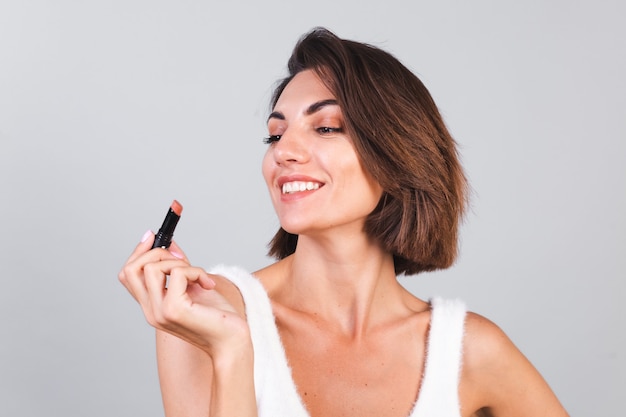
(296, 186)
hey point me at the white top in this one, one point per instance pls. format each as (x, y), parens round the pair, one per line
(276, 391)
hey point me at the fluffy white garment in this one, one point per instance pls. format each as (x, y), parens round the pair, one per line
(276, 392)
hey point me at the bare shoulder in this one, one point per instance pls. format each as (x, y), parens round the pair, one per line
(273, 276)
(484, 342)
(497, 377)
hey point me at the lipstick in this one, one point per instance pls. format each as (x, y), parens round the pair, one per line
(163, 238)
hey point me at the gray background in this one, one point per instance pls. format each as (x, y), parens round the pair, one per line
(111, 109)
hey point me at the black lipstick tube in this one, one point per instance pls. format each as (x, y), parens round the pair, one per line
(163, 238)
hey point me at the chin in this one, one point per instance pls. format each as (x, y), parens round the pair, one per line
(294, 229)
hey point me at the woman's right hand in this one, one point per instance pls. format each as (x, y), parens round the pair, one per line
(182, 299)
(207, 312)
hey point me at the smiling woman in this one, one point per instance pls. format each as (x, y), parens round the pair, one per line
(312, 168)
(366, 183)
(400, 137)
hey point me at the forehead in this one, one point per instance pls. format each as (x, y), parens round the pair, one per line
(305, 88)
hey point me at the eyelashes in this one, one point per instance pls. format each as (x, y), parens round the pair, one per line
(329, 130)
(271, 139)
(322, 131)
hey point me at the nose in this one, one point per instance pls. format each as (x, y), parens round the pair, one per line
(290, 149)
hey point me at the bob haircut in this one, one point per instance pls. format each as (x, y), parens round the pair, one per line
(401, 140)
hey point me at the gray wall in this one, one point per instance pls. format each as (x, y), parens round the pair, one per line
(111, 109)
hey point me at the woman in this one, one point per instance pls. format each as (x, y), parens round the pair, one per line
(366, 183)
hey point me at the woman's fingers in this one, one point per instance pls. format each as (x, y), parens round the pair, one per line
(180, 278)
(168, 305)
(132, 275)
(155, 278)
(144, 245)
(131, 268)
(177, 251)
(176, 296)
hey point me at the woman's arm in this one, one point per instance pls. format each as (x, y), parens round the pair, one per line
(194, 383)
(185, 375)
(498, 379)
(191, 388)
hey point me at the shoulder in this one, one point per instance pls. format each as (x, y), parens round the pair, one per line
(484, 341)
(274, 276)
(496, 375)
(488, 353)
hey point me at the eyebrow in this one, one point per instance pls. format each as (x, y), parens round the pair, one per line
(315, 107)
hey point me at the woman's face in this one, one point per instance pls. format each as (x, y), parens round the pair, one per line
(311, 168)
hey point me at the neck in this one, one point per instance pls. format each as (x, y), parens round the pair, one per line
(350, 283)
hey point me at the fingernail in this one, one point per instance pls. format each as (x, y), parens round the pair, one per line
(176, 254)
(146, 236)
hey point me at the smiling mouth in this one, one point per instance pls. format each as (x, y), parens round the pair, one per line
(299, 186)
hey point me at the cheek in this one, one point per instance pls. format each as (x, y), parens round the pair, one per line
(267, 167)
(373, 185)
(369, 187)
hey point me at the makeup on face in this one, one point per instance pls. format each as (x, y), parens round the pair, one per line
(163, 238)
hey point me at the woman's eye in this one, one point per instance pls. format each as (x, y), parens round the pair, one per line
(271, 139)
(326, 130)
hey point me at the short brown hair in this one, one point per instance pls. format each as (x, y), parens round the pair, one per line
(402, 142)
